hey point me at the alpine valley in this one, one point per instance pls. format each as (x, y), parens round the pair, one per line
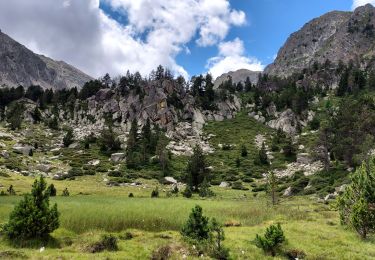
(287, 150)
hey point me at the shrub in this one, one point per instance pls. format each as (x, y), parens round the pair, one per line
(107, 242)
(237, 185)
(204, 189)
(127, 236)
(11, 190)
(197, 226)
(155, 193)
(272, 240)
(108, 141)
(187, 192)
(162, 253)
(65, 193)
(244, 151)
(263, 159)
(51, 190)
(32, 218)
(131, 195)
(68, 138)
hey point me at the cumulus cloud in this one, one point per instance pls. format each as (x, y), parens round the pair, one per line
(80, 33)
(232, 57)
(357, 3)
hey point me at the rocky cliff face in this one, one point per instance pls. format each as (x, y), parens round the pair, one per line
(20, 66)
(334, 36)
(238, 76)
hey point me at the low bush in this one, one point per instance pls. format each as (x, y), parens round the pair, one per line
(272, 239)
(107, 242)
(155, 193)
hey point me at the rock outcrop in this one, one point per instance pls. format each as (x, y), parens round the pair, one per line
(238, 76)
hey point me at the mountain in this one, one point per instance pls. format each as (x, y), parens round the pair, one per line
(20, 66)
(334, 36)
(238, 76)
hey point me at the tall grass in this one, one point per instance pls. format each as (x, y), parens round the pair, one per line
(84, 213)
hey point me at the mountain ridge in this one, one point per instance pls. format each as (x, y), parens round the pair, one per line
(21, 66)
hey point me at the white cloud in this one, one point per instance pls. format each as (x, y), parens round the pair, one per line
(80, 33)
(230, 58)
(357, 3)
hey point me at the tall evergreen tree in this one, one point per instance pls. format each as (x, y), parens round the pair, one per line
(197, 168)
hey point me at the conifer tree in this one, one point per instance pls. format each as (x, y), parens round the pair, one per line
(33, 218)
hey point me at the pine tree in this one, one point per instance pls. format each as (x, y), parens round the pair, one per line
(197, 226)
(263, 155)
(244, 151)
(272, 187)
(68, 138)
(197, 168)
(357, 203)
(32, 218)
(146, 141)
(133, 157)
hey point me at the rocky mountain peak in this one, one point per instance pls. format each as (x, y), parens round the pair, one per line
(334, 36)
(20, 66)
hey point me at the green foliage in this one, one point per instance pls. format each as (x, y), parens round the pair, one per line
(356, 205)
(53, 123)
(272, 239)
(11, 190)
(196, 169)
(204, 189)
(187, 193)
(243, 150)
(65, 193)
(155, 193)
(108, 141)
(68, 138)
(217, 236)
(51, 190)
(197, 226)
(15, 116)
(263, 159)
(32, 218)
(107, 242)
(290, 149)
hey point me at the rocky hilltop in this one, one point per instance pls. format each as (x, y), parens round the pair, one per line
(334, 36)
(238, 76)
(20, 66)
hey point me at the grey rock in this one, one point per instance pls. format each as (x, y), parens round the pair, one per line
(22, 149)
(170, 180)
(288, 192)
(224, 184)
(117, 157)
(4, 154)
(44, 168)
(238, 76)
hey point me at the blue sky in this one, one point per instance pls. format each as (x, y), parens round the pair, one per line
(268, 25)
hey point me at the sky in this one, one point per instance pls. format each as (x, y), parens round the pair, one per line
(189, 37)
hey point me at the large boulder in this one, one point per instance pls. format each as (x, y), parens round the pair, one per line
(44, 168)
(23, 149)
(117, 157)
(170, 180)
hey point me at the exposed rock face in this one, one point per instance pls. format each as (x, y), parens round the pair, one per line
(238, 76)
(20, 66)
(117, 157)
(335, 36)
(286, 121)
(22, 149)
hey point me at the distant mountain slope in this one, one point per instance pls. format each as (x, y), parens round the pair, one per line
(20, 66)
(238, 76)
(335, 36)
